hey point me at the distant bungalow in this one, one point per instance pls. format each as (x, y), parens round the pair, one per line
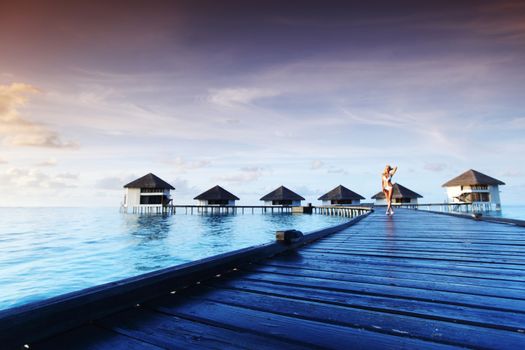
(149, 190)
(216, 196)
(282, 196)
(401, 195)
(474, 187)
(341, 195)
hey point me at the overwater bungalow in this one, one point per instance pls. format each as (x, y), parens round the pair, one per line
(282, 196)
(476, 188)
(341, 196)
(401, 195)
(217, 196)
(149, 190)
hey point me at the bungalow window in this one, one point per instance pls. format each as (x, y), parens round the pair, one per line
(282, 202)
(341, 201)
(151, 190)
(151, 200)
(218, 202)
(480, 197)
(402, 200)
(480, 187)
(474, 197)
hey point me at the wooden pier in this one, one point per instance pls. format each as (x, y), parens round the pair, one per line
(347, 211)
(417, 280)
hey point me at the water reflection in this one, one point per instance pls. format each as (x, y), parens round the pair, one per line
(151, 251)
(149, 227)
(390, 229)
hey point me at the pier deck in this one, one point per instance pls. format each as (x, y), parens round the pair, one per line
(416, 280)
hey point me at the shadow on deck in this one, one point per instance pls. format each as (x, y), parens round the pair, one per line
(416, 280)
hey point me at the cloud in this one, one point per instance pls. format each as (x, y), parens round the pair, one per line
(18, 131)
(514, 173)
(3, 161)
(435, 167)
(335, 170)
(245, 175)
(317, 164)
(47, 163)
(305, 191)
(231, 97)
(501, 20)
(30, 179)
(183, 188)
(114, 182)
(182, 165)
(67, 176)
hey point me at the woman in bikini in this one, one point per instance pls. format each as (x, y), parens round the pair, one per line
(386, 183)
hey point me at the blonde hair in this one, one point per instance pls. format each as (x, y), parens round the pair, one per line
(387, 170)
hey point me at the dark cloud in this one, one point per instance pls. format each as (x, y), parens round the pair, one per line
(239, 35)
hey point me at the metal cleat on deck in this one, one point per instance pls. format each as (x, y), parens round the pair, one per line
(477, 216)
(288, 236)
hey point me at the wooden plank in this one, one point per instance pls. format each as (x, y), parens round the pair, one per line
(92, 338)
(495, 303)
(491, 219)
(425, 284)
(395, 324)
(491, 269)
(171, 332)
(512, 321)
(398, 273)
(432, 240)
(292, 329)
(346, 263)
(418, 247)
(512, 261)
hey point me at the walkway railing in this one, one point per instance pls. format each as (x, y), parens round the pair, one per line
(450, 207)
(346, 211)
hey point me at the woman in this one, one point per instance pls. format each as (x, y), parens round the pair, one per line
(386, 183)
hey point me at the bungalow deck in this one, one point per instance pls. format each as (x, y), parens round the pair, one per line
(417, 280)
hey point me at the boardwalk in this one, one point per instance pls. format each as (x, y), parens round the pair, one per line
(417, 280)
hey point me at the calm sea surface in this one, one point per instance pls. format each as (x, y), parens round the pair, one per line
(511, 212)
(50, 251)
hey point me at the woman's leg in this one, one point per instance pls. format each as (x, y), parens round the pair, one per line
(390, 193)
(387, 198)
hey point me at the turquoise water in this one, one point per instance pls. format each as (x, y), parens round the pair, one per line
(510, 212)
(51, 251)
(513, 211)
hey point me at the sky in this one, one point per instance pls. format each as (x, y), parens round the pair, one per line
(251, 95)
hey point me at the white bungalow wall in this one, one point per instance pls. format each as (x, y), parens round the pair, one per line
(455, 191)
(132, 197)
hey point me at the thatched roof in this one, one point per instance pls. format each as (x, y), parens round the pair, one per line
(282, 194)
(217, 193)
(472, 177)
(149, 181)
(399, 192)
(340, 193)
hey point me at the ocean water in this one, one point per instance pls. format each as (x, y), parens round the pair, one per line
(510, 212)
(46, 252)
